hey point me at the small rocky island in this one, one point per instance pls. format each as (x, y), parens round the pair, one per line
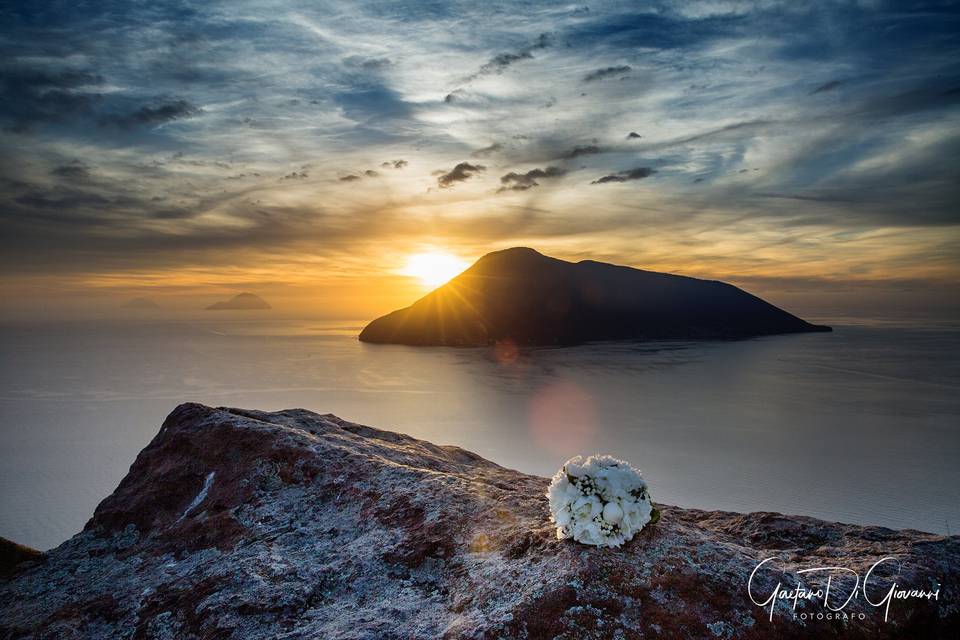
(525, 297)
(236, 524)
(241, 302)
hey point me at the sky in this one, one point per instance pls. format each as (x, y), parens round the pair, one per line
(303, 151)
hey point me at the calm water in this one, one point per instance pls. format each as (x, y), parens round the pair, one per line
(860, 425)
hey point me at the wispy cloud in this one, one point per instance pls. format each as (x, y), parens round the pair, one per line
(827, 86)
(629, 175)
(606, 72)
(585, 150)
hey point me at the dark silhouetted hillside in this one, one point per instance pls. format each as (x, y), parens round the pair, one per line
(524, 296)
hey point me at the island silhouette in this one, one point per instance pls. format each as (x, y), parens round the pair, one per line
(525, 297)
(241, 302)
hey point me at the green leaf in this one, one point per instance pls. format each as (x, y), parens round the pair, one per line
(654, 516)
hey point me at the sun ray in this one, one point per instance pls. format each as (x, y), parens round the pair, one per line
(433, 268)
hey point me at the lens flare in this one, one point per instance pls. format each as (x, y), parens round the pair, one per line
(563, 418)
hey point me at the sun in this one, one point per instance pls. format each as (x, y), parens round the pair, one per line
(434, 268)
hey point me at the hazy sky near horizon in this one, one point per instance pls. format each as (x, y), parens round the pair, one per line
(302, 150)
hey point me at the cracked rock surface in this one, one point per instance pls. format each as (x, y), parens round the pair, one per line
(244, 524)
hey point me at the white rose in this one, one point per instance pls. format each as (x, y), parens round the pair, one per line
(588, 533)
(586, 508)
(637, 514)
(612, 512)
(574, 467)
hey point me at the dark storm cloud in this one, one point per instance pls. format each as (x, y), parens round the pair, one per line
(633, 135)
(350, 178)
(626, 176)
(460, 173)
(576, 152)
(523, 181)
(606, 72)
(827, 86)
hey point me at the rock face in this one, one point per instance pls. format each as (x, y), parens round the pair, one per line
(242, 524)
(522, 296)
(241, 302)
(13, 556)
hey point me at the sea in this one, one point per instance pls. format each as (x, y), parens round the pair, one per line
(861, 425)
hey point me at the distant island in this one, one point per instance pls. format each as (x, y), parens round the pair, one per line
(140, 303)
(241, 302)
(523, 296)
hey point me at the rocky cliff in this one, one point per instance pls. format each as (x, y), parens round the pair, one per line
(242, 524)
(525, 297)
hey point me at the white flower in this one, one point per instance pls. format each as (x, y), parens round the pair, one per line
(586, 508)
(599, 501)
(612, 512)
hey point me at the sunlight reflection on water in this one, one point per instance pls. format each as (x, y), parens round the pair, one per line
(859, 425)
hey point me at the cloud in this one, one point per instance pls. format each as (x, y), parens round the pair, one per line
(76, 170)
(460, 173)
(499, 63)
(486, 152)
(32, 96)
(296, 175)
(373, 105)
(370, 173)
(349, 178)
(502, 61)
(606, 72)
(638, 173)
(396, 164)
(721, 96)
(523, 181)
(368, 64)
(828, 86)
(156, 115)
(576, 152)
(633, 135)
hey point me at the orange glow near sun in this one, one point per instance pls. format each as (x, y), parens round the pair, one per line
(434, 268)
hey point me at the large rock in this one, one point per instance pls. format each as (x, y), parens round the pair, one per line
(521, 296)
(243, 524)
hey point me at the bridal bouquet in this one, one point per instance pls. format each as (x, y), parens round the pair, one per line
(600, 501)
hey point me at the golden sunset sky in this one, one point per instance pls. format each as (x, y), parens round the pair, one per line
(308, 152)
